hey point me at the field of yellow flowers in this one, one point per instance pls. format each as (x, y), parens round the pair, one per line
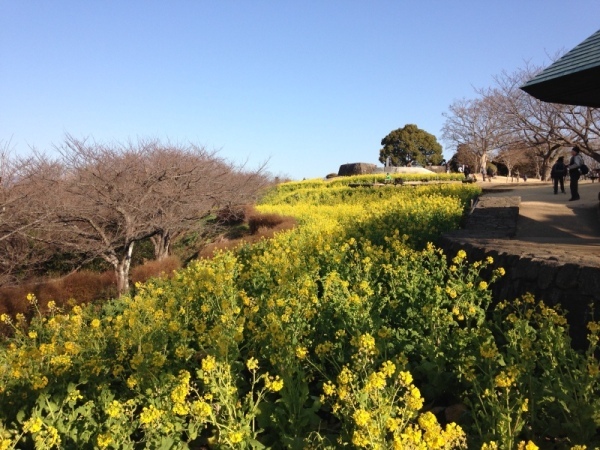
(350, 331)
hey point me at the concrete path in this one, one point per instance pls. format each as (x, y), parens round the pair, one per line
(549, 223)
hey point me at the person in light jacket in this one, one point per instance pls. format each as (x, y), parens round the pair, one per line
(574, 164)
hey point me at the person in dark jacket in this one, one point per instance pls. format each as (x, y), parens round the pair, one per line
(467, 171)
(558, 174)
(574, 164)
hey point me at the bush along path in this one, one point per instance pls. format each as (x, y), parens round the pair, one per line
(348, 331)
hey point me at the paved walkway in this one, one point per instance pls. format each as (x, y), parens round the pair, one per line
(550, 224)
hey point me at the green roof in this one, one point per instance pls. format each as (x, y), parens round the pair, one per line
(574, 79)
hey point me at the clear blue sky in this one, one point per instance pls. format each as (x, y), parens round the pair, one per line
(310, 84)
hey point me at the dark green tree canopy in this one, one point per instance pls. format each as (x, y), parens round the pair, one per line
(409, 145)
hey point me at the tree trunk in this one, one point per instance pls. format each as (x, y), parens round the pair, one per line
(483, 162)
(122, 270)
(545, 169)
(162, 245)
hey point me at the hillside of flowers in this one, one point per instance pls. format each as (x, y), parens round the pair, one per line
(350, 331)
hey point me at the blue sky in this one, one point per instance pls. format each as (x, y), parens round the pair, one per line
(308, 84)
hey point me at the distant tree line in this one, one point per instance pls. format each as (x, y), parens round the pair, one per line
(97, 201)
(505, 124)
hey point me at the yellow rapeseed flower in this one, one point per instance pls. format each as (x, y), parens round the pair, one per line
(529, 445)
(414, 400)
(274, 384)
(405, 378)
(201, 409)
(503, 380)
(209, 363)
(33, 425)
(104, 440)
(361, 417)
(149, 415)
(388, 368)
(301, 352)
(252, 364)
(236, 437)
(114, 409)
(329, 388)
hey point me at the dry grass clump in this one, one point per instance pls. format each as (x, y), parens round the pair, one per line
(269, 222)
(155, 269)
(79, 287)
(260, 226)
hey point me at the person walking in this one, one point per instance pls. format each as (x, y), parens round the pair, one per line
(574, 164)
(558, 173)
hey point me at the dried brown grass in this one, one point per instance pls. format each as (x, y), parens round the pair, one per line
(76, 288)
(261, 226)
(79, 287)
(155, 269)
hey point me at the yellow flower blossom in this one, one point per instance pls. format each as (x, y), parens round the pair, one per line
(236, 437)
(414, 400)
(104, 440)
(114, 409)
(252, 364)
(274, 384)
(388, 368)
(361, 417)
(33, 425)
(529, 445)
(301, 352)
(405, 378)
(150, 415)
(209, 363)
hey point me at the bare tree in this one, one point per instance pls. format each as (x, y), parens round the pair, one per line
(105, 198)
(195, 184)
(478, 124)
(101, 201)
(19, 218)
(580, 125)
(512, 156)
(537, 124)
